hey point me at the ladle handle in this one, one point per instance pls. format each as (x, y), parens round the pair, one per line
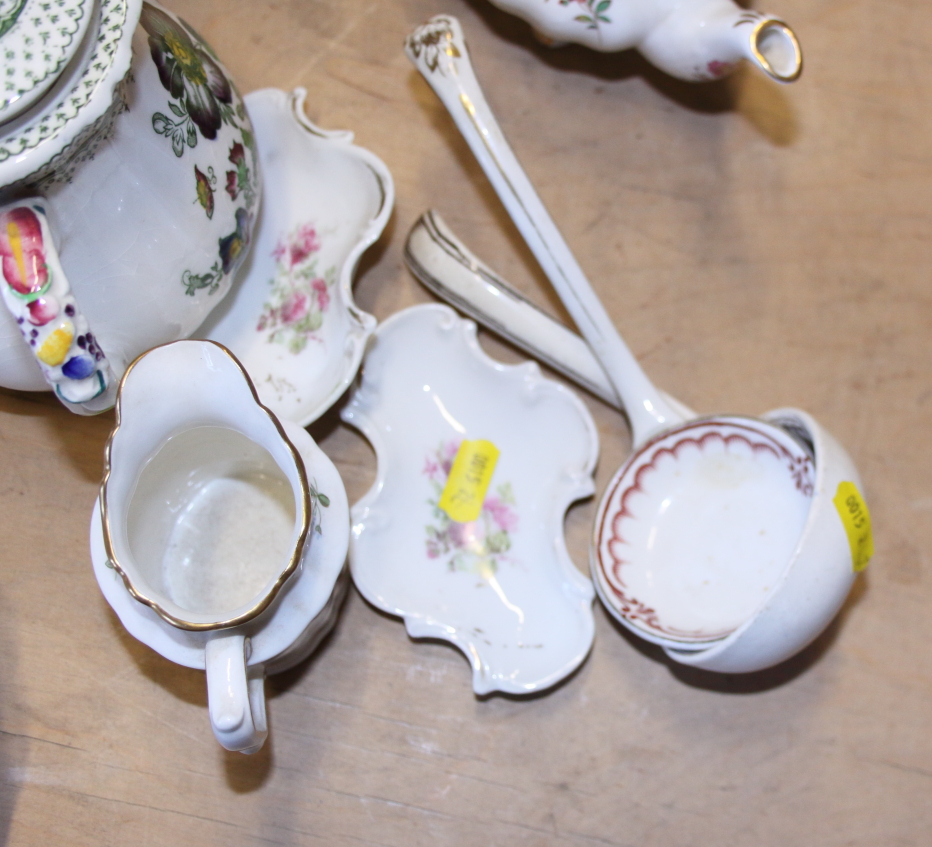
(438, 50)
(449, 269)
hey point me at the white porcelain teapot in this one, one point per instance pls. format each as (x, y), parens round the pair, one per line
(694, 40)
(128, 189)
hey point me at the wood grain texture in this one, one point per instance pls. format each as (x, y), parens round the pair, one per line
(758, 246)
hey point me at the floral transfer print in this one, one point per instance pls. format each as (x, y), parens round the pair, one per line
(300, 295)
(203, 101)
(205, 189)
(478, 546)
(594, 14)
(199, 89)
(318, 500)
(232, 252)
(238, 181)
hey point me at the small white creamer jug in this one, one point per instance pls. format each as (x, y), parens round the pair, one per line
(208, 516)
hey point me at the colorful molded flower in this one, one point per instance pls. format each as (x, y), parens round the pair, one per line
(186, 70)
(42, 310)
(24, 266)
(233, 247)
(78, 367)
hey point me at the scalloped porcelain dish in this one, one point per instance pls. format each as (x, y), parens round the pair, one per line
(501, 587)
(290, 316)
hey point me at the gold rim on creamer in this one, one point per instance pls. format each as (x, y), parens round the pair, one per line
(776, 23)
(293, 563)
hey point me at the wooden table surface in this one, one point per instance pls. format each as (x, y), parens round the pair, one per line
(759, 246)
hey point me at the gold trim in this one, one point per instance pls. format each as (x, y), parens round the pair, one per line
(473, 114)
(428, 39)
(769, 23)
(292, 566)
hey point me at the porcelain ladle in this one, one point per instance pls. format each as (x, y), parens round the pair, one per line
(710, 518)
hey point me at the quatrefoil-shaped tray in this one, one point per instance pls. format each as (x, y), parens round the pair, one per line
(501, 588)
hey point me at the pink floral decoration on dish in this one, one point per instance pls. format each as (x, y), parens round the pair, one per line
(475, 547)
(300, 294)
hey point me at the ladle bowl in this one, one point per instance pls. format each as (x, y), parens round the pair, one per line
(661, 561)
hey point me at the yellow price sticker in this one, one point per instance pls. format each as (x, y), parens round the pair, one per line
(469, 480)
(857, 522)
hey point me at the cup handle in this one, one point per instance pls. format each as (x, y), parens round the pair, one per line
(37, 293)
(235, 694)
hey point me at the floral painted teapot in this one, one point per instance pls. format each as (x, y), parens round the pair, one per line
(129, 186)
(695, 40)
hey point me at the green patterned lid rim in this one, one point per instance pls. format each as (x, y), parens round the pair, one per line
(87, 97)
(37, 40)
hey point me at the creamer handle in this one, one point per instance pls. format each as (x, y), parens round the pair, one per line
(235, 694)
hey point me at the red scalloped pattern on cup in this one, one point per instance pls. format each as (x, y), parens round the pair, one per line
(800, 468)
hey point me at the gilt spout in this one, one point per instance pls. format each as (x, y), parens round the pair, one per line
(707, 40)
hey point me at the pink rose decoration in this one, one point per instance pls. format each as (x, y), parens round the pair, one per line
(21, 248)
(466, 534)
(323, 296)
(305, 243)
(294, 308)
(504, 517)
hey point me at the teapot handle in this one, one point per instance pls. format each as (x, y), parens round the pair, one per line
(235, 694)
(37, 293)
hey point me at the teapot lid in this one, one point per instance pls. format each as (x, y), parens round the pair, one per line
(62, 63)
(37, 40)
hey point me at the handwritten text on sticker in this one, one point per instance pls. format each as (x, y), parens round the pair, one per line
(857, 521)
(469, 480)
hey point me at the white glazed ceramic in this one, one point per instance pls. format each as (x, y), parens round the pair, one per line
(502, 588)
(210, 515)
(695, 40)
(290, 317)
(807, 593)
(451, 271)
(721, 497)
(141, 155)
